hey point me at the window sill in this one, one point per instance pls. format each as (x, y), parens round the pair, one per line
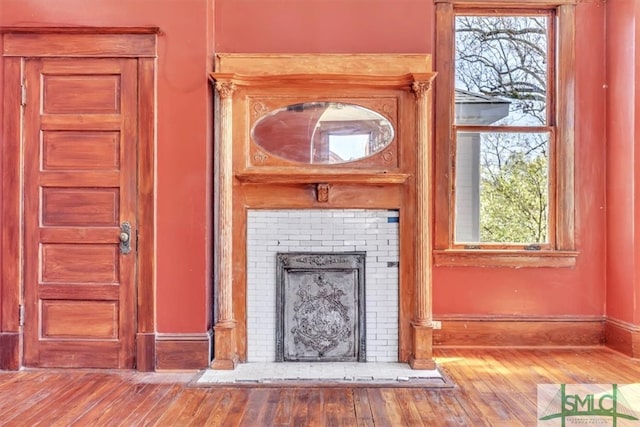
(504, 258)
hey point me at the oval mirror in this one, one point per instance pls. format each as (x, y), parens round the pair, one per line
(323, 132)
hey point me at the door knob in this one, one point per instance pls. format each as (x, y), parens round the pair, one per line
(125, 238)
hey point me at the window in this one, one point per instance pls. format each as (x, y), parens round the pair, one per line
(504, 134)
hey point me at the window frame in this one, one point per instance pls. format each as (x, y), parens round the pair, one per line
(560, 249)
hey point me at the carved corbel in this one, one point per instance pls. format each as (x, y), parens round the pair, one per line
(421, 88)
(225, 89)
(322, 192)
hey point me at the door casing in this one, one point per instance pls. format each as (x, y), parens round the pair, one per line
(22, 43)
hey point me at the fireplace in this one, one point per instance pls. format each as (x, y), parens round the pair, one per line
(371, 235)
(302, 140)
(320, 307)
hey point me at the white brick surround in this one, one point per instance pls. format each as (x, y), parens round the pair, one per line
(323, 230)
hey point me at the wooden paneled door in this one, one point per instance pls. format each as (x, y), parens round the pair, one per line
(80, 146)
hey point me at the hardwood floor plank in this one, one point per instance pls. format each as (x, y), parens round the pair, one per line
(362, 408)
(338, 407)
(426, 409)
(122, 406)
(392, 406)
(111, 400)
(306, 408)
(29, 393)
(54, 405)
(223, 406)
(83, 402)
(447, 409)
(406, 399)
(166, 402)
(284, 410)
(520, 407)
(210, 399)
(473, 374)
(315, 414)
(300, 408)
(493, 387)
(473, 413)
(140, 404)
(379, 408)
(9, 378)
(254, 406)
(268, 413)
(182, 409)
(231, 408)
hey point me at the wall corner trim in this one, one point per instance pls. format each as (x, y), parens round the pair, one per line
(183, 351)
(518, 331)
(622, 336)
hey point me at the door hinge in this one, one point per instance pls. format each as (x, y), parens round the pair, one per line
(23, 94)
(21, 315)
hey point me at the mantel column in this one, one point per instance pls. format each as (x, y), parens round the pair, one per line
(422, 324)
(225, 354)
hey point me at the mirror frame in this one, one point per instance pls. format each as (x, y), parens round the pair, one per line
(302, 132)
(254, 96)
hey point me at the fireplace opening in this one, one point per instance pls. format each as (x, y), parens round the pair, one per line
(320, 231)
(320, 307)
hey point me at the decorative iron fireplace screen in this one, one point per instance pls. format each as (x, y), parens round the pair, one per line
(320, 307)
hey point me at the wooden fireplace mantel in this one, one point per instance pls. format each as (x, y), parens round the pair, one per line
(248, 176)
(283, 177)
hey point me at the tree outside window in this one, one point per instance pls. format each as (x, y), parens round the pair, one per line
(504, 134)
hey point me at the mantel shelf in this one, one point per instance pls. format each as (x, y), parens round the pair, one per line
(266, 177)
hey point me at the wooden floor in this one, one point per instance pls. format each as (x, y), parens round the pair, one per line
(492, 388)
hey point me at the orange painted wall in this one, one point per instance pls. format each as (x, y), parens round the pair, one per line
(407, 26)
(540, 291)
(377, 26)
(623, 161)
(183, 138)
(549, 291)
(321, 26)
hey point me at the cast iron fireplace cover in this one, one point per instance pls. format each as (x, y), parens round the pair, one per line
(320, 307)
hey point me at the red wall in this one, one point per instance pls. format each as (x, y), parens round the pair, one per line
(623, 161)
(553, 291)
(321, 26)
(183, 138)
(401, 26)
(368, 26)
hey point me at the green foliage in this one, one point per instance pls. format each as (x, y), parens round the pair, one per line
(514, 201)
